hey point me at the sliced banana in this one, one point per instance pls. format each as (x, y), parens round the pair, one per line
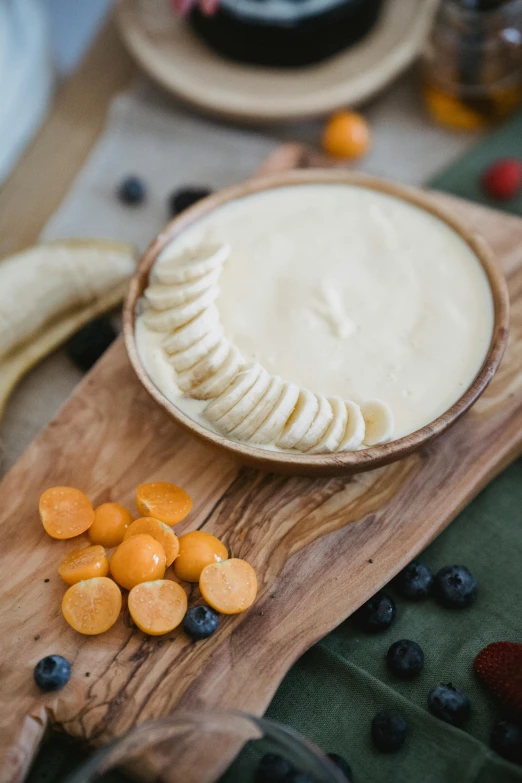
(235, 391)
(187, 358)
(259, 412)
(162, 297)
(174, 317)
(205, 368)
(379, 422)
(190, 333)
(354, 432)
(192, 264)
(332, 437)
(318, 427)
(300, 420)
(217, 383)
(272, 427)
(245, 405)
(245, 401)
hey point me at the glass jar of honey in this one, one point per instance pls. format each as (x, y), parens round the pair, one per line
(472, 66)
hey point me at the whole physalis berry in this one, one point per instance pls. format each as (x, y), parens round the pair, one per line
(158, 530)
(346, 136)
(503, 179)
(138, 559)
(111, 522)
(499, 665)
(197, 550)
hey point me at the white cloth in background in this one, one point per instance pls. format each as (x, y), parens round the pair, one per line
(148, 135)
(26, 76)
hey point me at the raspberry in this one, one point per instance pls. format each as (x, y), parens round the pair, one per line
(503, 179)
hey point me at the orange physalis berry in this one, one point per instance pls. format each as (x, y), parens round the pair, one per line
(197, 549)
(163, 501)
(84, 564)
(92, 606)
(346, 136)
(138, 559)
(110, 523)
(229, 587)
(65, 512)
(157, 607)
(159, 531)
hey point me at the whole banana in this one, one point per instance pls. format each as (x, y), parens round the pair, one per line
(48, 292)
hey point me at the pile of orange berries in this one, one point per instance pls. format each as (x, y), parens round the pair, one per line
(144, 549)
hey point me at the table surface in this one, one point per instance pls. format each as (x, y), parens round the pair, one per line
(406, 147)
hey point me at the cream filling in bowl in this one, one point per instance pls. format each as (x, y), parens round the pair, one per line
(341, 290)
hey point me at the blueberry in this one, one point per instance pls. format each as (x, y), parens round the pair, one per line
(455, 587)
(377, 614)
(90, 342)
(449, 704)
(273, 769)
(343, 766)
(52, 673)
(201, 622)
(506, 740)
(405, 659)
(185, 198)
(388, 731)
(415, 581)
(132, 191)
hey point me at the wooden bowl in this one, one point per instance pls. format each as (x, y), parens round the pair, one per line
(341, 462)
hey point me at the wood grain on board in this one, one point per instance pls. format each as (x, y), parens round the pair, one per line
(320, 546)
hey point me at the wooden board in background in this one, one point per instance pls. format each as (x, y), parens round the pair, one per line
(320, 547)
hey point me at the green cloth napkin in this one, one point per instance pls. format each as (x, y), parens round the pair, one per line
(463, 177)
(335, 689)
(331, 694)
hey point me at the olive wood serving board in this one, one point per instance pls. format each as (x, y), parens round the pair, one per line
(320, 547)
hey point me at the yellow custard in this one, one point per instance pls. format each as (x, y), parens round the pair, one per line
(344, 291)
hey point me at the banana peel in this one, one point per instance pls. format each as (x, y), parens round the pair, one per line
(88, 278)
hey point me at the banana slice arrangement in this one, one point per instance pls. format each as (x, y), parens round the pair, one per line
(243, 400)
